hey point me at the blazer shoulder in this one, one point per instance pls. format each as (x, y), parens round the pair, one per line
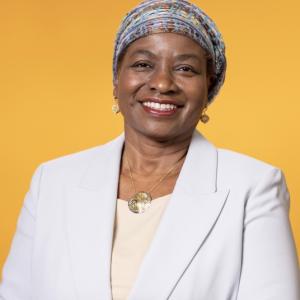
(72, 165)
(237, 168)
(229, 156)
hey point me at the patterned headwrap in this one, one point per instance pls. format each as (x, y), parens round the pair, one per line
(177, 16)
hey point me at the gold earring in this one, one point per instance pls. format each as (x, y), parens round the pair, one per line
(115, 107)
(204, 118)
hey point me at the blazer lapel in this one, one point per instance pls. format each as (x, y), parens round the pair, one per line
(90, 221)
(190, 216)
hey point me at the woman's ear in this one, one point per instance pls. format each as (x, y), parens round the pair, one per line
(210, 76)
(115, 89)
(211, 80)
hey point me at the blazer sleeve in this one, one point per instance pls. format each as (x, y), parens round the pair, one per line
(16, 277)
(270, 267)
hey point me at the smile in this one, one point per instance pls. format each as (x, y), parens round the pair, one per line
(160, 106)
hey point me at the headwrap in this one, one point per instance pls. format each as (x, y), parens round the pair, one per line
(177, 16)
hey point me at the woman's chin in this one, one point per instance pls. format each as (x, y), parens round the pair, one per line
(160, 134)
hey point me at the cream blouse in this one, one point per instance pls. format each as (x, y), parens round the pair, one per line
(132, 236)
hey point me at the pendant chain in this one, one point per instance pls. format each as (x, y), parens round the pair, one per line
(156, 184)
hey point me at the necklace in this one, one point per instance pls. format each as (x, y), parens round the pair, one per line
(141, 201)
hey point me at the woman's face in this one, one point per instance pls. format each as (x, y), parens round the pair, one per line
(162, 86)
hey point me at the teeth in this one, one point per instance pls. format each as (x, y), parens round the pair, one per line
(162, 107)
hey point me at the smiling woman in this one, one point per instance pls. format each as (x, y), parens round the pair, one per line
(159, 212)
(163, 90)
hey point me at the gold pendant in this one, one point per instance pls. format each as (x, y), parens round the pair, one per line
(140, 202)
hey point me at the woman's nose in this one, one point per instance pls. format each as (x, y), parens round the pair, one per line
(163, 81)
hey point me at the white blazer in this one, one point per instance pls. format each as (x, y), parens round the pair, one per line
(224, 235)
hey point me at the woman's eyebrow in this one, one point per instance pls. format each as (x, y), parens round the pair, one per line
(143, 52)
(187, 56)
(180, 57)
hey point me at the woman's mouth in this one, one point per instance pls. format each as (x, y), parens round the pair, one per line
(159, 109)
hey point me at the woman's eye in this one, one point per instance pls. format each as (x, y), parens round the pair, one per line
(186, 69)
(141, 65)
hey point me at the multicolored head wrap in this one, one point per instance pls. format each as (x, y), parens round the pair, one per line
(177, 16)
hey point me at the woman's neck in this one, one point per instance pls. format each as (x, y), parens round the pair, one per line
(148, 156)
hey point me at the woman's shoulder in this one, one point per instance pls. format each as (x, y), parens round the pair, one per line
(229, 162)
(74, 164)
(237, 168)
(83, 156)
(233, 158)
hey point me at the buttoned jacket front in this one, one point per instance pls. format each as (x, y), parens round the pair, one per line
(224, 235)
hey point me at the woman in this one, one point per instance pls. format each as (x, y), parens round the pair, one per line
(158, 213)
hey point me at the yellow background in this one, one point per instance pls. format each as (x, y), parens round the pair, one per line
(56, 91)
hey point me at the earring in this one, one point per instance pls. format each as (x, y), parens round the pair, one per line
(204, 118)
(115, 107)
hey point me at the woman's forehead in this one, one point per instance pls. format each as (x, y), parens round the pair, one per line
(166, 43)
